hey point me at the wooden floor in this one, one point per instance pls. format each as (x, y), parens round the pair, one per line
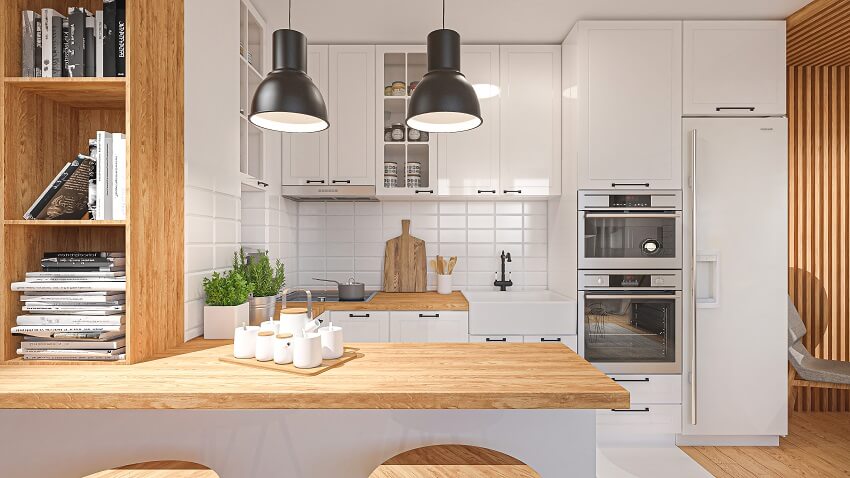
(818, 444)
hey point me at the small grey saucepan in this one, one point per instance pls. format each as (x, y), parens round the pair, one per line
(351, 290)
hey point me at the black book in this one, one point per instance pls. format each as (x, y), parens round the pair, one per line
(76, 41)
(66, 42)
(121, 63)
(28, 41)
(64, 268)
(37, 49)
(67, 196)
(87, 254)
(110, 38)
(90, 48)
(89, 261)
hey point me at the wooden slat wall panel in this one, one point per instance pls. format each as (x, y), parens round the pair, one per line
(819, 34)
(819, 229)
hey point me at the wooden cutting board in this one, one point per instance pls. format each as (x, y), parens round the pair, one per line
(405, 262)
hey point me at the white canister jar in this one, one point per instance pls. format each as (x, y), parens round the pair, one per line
(283, 349)
(414, 181)
(332, 346)
(293, 320)
(273, 325)
(307, 351)
(390, 181)
(390, 169)
(265, 346)
(414, 168)
(245, 341)
(444, 284)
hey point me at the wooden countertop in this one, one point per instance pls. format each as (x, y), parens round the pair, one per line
(385, 376)
(396, 301)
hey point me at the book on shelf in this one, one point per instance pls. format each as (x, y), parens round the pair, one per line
(98, 43)
(67, 196)
(70, 286)
(119, 177)
(103, 201)
(51, 43)
(34, 320)
(66, 41)
(83, 255)
(110, 38)
(74, 298)
(35, 343)
(121, 38)
(77, 41)
(89, 294)
(81, 260)
(30, 44)
(74, 309)
(72, 354)
(89, 48)
(55, 269)
(66, 276)
(50, 330)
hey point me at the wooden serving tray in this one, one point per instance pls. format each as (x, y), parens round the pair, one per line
(350, 353)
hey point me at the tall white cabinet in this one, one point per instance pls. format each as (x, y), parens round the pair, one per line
(530, 122)
(305, 156)
(628, 84)
(730, 68)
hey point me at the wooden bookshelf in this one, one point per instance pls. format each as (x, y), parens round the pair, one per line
(45, 122)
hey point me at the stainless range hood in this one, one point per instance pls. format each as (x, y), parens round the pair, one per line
(329, 193)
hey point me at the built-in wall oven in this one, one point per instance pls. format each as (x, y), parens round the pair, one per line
(630, 230)
(631, 320)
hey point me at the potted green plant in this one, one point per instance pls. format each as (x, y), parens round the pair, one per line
(226, 304)
(266, 281)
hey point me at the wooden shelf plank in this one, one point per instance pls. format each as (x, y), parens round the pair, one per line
(80, 223)
(75, 92)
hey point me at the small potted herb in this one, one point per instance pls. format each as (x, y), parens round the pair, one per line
(266, 281)
(226, 304)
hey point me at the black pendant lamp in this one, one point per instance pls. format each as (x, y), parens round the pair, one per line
(444, 101)
(287, 100)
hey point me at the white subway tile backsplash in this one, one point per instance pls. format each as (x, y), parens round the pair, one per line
(481, 222)
(224, 256)
(452, 207)
(476, 207)
(534, 222)
(309, 235)
(312, 222)
(480, 235)
(508, 235)
(508, 208)
(368, 263)
(452, 222)
(342, 235)
(367, 222)
(254, 217)
(314, 249)
(340, 208)
(250, 200)
(199, 229)
(452, 235)
(199, 258)
(427, 235)
(340, 264)
(421, 222)
(509, 222)
(535, 236)
(535, 207)
(424, 208)
(312, 263)
(534, 250)
(367, 209)
(481, 250)
(199, 202)
(370, 235)
(373, 249)
(226, 231)
(254, 234)
(392, 208)
(449, 250)
(311, 208)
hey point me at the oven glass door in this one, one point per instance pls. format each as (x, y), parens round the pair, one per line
(631, 327)
(641, 237)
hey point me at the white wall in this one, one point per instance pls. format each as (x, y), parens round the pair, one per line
(338, 240)
(269, 223)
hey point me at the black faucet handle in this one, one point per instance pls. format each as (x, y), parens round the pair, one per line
(508, 257)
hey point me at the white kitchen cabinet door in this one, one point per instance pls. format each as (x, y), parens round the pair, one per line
(469, 161)
(630, 105)
(429, 326)
(734, 68)
(496, 339)
(570, 341)
(305, 156)
(363, 326)
(351, 108)
(530, 120)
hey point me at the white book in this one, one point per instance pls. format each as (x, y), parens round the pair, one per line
(119, 176)
(70, 354)
(41, 280)
(117, 286)
(75, 275)
(104, 165)
(88, 299)
(39, 344)
(111, 358)
(88, 294)
(34, 320)
(51, 37)
(98, 39)
(74, 309)
(53, 329)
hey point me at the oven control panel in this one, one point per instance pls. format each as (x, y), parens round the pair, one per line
(626, 280)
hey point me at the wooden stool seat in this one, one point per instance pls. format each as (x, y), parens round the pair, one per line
(451, 461)
(158, 469)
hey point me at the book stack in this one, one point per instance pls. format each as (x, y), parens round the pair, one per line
(74, 307)
(77, 45)
(93, 185)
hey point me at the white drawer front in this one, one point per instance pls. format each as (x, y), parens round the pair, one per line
(429, 314)
(496, 339)
(358, 314)
(362, 326)
(570, 341)
(429, 326)
(640, 423)
(652, 388)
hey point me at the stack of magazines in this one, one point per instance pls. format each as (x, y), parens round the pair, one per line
(74, 307)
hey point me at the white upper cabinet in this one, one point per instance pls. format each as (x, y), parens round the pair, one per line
(351, 110)
(469, 161)
(629, 91)
(530, 120)
(734, 68)
(305, 156)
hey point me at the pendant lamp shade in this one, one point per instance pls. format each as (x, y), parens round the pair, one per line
(444, 101)
(287, 100)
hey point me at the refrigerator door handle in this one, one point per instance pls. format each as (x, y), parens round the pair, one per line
(694, 277)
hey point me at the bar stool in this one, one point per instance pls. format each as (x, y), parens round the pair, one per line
(451, 461)
(158, 469)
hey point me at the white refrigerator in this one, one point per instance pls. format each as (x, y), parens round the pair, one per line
(737, 207)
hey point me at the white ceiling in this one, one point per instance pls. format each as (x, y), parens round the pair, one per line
(493, 21)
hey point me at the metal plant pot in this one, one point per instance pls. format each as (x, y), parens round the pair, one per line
(261, 308)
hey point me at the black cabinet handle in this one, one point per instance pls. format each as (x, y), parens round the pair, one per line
(517, 191)
(429, 191)
(359, 316)
(491, 191)
(341, 181)
(645, 379)
(503, 339)
(260, 183)
(435, 316)
(315, 181)
(614, 185)
(746, 108)
(645, 409)
(544, 339)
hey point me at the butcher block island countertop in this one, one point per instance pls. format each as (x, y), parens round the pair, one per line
(395, 301)
(385, 376)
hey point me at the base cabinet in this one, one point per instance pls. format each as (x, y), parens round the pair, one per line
(363, 326)
(495, 339)
(430, 326)
(642, 423)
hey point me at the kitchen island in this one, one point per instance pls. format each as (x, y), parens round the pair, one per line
(535, 402)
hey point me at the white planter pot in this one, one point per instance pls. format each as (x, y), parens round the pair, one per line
(221, 321)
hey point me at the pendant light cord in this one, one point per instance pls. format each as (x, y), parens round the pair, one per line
(444, 14)
(290, 14)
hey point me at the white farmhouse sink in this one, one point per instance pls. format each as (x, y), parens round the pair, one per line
(538, 312)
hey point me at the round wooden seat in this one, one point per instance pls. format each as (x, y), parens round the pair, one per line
(158, 469)
(452, 461)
